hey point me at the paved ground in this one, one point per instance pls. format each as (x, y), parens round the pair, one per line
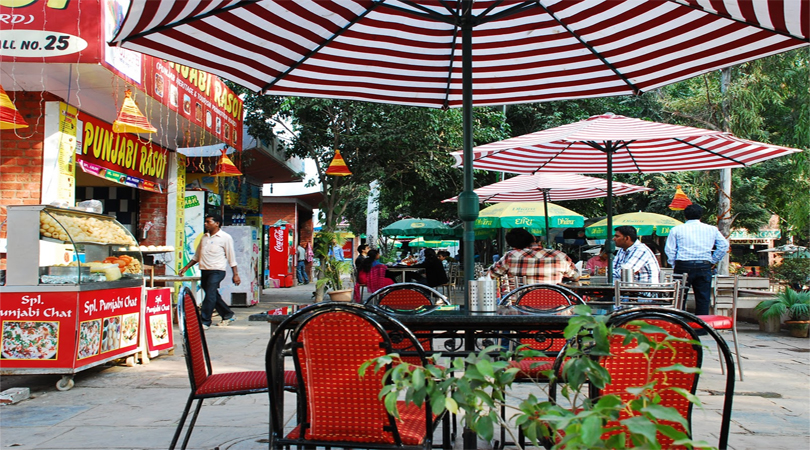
(119, 407)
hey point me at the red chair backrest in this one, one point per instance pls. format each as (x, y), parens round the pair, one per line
(543, 299)
(341, 405)
(404, 299)
(631, 370)
(196, 353)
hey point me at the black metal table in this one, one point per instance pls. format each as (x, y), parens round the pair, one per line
(457, 332)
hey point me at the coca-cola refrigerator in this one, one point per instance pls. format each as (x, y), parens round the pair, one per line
(281, 255)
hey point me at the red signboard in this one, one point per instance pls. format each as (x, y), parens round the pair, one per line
(76, 31)
(62, 31)
(109, 324)
(158, 321)
(198, 96)
(39, 330)
(121, 157)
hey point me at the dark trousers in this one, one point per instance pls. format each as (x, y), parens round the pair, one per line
(699, 278)
(210, 280)
(301, 272)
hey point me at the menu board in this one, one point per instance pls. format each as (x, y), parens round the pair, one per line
(158, 321)
(38, 329)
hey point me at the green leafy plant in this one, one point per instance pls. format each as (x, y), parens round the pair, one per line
(794, 271)
(330, 270)
(478, 383)
(795, 304)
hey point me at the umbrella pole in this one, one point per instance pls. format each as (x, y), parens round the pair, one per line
(545, 208)
(467, 200)
(609, 237)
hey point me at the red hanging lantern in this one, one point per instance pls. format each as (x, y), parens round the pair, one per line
(681, 201)
(338, 166)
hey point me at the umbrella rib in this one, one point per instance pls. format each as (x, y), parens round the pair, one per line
(317, 49)
(728, 17)
(552, 158)
(710, 151)
(590, 48)
(185, 21)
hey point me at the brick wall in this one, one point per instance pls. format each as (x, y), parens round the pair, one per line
(153, 208)
(273, 212)
(21, 154)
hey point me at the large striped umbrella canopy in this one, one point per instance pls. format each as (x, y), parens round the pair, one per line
(429, 53)
(644, 223)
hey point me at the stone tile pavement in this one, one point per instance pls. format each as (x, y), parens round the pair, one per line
(119, 407)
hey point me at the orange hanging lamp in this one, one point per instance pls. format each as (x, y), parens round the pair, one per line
(130, 119)
(226, 167)
(338, 166)
(680, 201)
(10, 118)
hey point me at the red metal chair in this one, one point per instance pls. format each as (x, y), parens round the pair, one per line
(538, 299)
(205, 383)
(623, 367)
(541, 299)
(406, 297)
(338, 407)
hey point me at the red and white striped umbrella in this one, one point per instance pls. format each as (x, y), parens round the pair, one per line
(462, 53)
(636, 146)
(552, 187)
(410, 52)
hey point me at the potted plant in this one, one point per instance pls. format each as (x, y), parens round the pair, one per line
(795, 305)
(793, 271)
(330, 270)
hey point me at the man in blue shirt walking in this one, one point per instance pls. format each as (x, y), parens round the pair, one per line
(693, 249)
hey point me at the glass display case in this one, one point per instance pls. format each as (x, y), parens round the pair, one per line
(57, 246)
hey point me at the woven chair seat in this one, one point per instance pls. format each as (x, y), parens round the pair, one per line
(236, 382)
(716, 322)
(411, 428)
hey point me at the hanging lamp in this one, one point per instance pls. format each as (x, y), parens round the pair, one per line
(226, 167)
(130, 119)
(680, 201)
(10, 118)
(338, 166)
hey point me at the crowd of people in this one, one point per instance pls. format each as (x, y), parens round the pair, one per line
(693, 248)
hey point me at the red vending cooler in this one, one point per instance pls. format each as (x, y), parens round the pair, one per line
(280, 255)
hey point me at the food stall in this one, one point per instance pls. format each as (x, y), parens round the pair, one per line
(73, 295)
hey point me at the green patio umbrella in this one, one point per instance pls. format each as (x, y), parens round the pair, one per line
(416, 228)
(537, 217)
(644, 223)
(431, 243)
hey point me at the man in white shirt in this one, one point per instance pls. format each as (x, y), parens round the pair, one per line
(214, 254)
(694, 248)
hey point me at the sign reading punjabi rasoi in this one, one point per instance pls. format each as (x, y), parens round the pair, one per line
(121, 157)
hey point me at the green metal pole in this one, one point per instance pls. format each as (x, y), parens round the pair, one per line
(468, 200)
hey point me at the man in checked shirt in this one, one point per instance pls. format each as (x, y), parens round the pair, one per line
(536, 264)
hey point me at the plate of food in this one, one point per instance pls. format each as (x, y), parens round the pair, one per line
(89, 338)
(129, 330)
(30, 340)
(159, 328)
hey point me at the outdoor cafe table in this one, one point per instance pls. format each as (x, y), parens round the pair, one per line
(457, 332)
(403, 270)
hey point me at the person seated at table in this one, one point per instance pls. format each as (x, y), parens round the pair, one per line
(434, 270)
(362, 253)
(373, 274)
(598, 264)
(635, 255)
(532, 262)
